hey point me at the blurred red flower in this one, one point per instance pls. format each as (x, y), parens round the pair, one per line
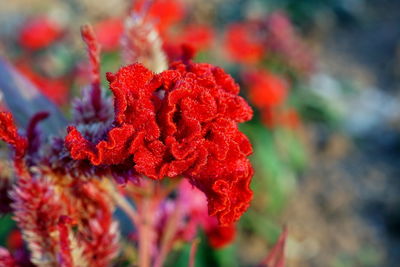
(288, 118)
(38, 33)
(220, 236)
(266, 90)
(163, 13)
(109, 32)
(243, 43)
(199, 36)
(14, 240)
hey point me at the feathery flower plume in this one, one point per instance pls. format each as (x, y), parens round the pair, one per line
(141, 43)
(37, 209)
(97, 230)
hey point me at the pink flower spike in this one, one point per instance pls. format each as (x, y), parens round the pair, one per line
(93, 47)
(65, 257)
(276, 257)
(6, 259)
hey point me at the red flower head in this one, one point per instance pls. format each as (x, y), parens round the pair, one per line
(109, 33)
(266, 90)
(181, 122)
(243, 43)
(200, 36)
(164, 13)
(39, 33)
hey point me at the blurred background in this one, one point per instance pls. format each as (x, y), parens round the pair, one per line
(323, 77)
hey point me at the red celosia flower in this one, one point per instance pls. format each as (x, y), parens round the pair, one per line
(244, 44)
(266, 90)
(109, 32)
(56, 89)
(164, 13)
(39, 33)
(182, 121)
(200, 36)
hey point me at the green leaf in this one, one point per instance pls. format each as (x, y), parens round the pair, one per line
(6, 225)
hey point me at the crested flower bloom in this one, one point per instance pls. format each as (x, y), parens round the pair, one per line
(244, 43)
(181, 122)
(38, 33)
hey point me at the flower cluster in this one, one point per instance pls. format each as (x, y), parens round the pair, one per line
(164, 124)
(252, 41)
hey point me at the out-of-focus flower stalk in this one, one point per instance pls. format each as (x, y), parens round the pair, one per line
(171, 228)
(141, 43)
(146, 229)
